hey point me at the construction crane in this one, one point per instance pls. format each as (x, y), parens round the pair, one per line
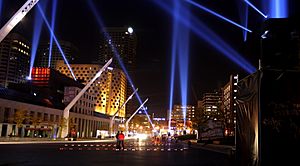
(16, 18)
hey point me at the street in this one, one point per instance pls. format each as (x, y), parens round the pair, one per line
(104, 153)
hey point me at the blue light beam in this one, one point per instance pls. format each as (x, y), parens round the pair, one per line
(53, 12)
(202, 31)
(216, 14)
(38, 22)
(55, 40)
(278, 8)
(255, 8)
(183, 58)
(116, 54)
(245, 23)
(173, 58)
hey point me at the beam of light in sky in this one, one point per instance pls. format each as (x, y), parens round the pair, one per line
(183, 58)
(55, 40)
(245, 22)
(255, 8)
(278, 8)
(53, 15)
(216, 14)
(243, 13)
(173, 58)
(38, 22)
(116, 54)
(202, 31)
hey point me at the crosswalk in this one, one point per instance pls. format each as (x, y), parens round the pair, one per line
(147, 147)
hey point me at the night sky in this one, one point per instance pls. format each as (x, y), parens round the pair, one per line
(209, 69)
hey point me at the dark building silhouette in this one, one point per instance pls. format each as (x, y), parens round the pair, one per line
(70, 51)
(280, 42)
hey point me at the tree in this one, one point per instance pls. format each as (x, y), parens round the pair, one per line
(62, 123)
(35, 121)
(19, 118)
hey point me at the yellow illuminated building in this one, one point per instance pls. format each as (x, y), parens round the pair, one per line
(109, 89)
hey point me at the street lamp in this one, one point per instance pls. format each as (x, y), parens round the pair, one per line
(113, 117)
(128, 120)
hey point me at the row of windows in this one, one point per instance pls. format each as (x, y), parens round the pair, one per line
(34, 117)
(40, 117)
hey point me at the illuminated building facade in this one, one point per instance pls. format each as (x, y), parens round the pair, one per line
(212, 104)
(14, 59)
(177, 118)
(45, 121)
(85, 105)
(124, 40)
(70, 51)
(49, 92)
(229, 105)
(109, 90)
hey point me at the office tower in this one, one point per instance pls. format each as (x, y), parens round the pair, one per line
(14, 59)
(124, 41)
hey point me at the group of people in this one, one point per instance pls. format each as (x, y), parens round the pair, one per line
(120, 140)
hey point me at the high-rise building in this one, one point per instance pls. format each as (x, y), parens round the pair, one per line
(229, 105)
(124, 41)
(211, 104)
(177, 116)
(109, 89)
(42, 60)
(14, 59)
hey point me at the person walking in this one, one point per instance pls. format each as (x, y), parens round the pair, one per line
(121, 140)
(118, 141)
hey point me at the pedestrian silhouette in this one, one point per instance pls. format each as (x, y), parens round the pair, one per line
(121, 138)
(118, 141)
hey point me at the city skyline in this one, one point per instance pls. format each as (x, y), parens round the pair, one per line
(208, 68)
(220, 76)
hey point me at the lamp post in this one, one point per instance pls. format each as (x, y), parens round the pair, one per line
(128, 120)
(113, 117)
